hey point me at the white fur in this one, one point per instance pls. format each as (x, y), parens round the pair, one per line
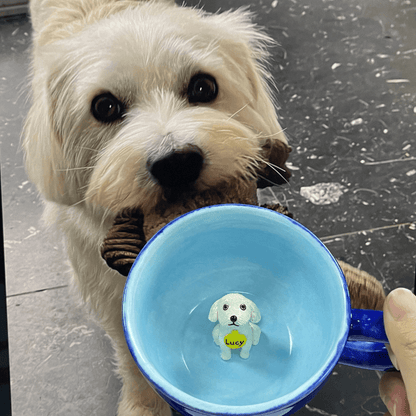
(231, 316)
(87, 172)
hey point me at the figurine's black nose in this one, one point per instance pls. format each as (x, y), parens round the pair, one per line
(233, 318)
(180, 168)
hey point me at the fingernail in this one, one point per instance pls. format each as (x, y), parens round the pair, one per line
(400, 302)
(393, 358)
(390, 404)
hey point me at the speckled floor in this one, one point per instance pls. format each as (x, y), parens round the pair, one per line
(347, 91)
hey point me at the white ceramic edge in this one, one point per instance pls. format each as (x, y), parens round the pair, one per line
(186, 400)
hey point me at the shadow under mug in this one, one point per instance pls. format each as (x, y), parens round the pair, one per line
(307, 324)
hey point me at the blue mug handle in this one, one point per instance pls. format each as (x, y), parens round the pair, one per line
(365, 344)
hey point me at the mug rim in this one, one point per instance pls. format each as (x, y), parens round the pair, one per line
(188, 401)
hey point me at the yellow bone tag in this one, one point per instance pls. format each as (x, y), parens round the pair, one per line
(235, 340)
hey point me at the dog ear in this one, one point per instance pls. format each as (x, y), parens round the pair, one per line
(46, 164)
(43, 154)
(255, 313)
(213, 313)
(243, 47)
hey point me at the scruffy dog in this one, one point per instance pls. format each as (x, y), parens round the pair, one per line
(136, 103)
(235, 313)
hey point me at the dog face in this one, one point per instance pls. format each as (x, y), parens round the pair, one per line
(234, 310)
(140, 101)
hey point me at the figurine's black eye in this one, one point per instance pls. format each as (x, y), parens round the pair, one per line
(243, 307)
(202, 88)
(107, 108)
(225, 307)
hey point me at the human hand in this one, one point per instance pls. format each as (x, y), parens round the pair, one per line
(398, 390)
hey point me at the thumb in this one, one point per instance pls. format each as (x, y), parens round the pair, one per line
(400, 324)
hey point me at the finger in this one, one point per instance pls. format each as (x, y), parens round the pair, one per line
(400, 324)
(393, 393)
(392, 357)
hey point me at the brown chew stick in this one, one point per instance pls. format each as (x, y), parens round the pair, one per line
(132, 229)
(366, 291)
(127, 237)
(124, 241)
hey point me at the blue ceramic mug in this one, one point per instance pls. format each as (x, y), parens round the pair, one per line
(307, 325)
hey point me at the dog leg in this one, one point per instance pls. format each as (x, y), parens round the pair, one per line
(137, 397)
(256, 333)
(216, 334)
(225, 352)
(245, 351)
(105, 287)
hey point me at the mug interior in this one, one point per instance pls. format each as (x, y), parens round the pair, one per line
(272, 260)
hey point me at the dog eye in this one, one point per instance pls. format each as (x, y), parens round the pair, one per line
(202, 88)
(225, 307)
(243, 307)
(107, 108)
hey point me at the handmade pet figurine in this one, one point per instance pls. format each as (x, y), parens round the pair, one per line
(237, 317)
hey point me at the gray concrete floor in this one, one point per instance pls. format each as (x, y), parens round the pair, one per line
(347, 89)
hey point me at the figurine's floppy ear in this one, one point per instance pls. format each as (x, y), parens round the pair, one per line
(213, 313)
(255, 313)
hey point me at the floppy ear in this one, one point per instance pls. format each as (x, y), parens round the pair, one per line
(44, 160)
(213, 313)
(255, 313)
(46, 164)
(43, 154)
(244, 50)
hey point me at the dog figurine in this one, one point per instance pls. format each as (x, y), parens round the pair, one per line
(237, 317)
(138, 104)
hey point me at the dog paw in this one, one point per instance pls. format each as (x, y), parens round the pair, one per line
(226, 355)
(244, 354)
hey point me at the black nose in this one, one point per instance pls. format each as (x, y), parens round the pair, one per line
(179, 168)
(233, 318)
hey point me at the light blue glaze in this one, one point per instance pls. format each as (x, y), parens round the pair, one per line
(273, 260)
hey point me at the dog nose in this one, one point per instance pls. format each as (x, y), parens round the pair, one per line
(179, 168)
(233, 318)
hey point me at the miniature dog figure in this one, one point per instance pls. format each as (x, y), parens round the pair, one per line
(237, 316)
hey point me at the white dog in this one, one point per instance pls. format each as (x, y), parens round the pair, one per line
(134, 104)
(235, 313)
